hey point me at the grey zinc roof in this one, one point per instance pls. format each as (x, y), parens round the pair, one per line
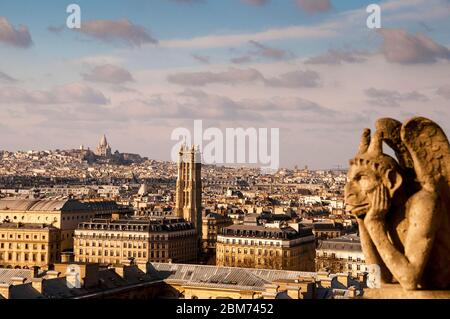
(7, 274)
(346, 242)
(224, 277)
(41, 205)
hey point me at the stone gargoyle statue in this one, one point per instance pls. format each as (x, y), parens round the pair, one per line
(402, 205)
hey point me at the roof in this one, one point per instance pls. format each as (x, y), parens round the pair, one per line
(42, 205)
(346, 243)
(213, 277)
(26, 226)
(259, 231)
(224, 277)
(103, 141)
(7, 274)
(215, 216)
(57, 288)
(154, 223)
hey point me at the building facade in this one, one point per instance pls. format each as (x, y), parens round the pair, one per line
(189, 188)
(28, 245)
(158, 239)
(341, 255)
(212, 226)
(257, 246)
(62, 214)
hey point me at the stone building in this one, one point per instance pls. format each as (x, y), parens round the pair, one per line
(212, 225)
(28, 245)
(326, 229)
(103, 148)
(342, 254)
(159, 239)
(61, 214)
(269, 247)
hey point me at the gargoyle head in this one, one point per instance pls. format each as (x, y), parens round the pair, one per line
(369, 169)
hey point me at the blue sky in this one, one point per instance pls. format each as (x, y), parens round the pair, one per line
(310, 68)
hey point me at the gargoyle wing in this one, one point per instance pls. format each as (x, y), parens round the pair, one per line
(430, 152)
(389, 131)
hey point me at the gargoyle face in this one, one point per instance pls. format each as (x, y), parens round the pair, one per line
(362, 181)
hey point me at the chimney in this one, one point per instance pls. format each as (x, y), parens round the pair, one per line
(128, 262)
(91, 278)
(362, 278)
(38, 283)
(66, 257)
(120, 270)
(51, 274)
(271, 288)
(144, 266)
(323, 274)
(352, 292)
(343, 279)
(18, 281)
(34, 272)
(5, 290)
(293, 291)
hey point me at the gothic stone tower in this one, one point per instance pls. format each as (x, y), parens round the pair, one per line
(189, 187)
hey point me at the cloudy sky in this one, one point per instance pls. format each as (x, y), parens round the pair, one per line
(138, 69)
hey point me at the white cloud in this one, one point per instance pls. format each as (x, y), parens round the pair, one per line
(121, 30)
(108, 73)
(225, 40)
(69, 93)
(401, 47)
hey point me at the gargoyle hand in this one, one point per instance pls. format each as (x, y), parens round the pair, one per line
(379, 205)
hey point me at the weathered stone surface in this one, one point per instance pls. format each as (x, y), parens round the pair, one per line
(402, 205)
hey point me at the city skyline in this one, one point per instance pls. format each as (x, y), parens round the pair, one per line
(314, 71)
